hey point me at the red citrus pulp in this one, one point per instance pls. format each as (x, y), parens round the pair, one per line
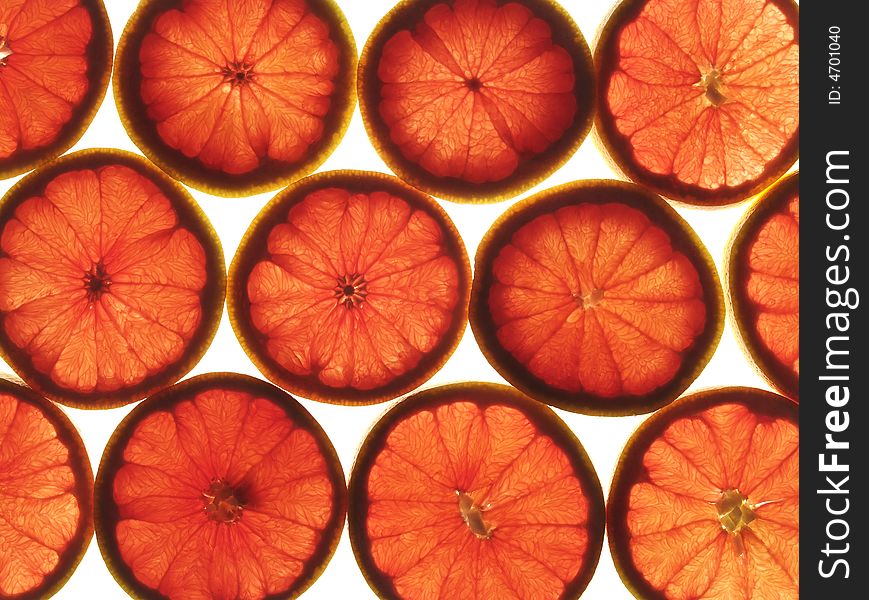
(350, 287)
(111, 279)
(473, 491)
(222, 486)
(46, 489)
(596, 297)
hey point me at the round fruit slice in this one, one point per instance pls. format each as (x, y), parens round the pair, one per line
(596, 297)
(46, 490)
(111, 279)
(236, 97)
(222, 486)
(476, 100)
(55, 63)
(705, 500)
(699, 101)
(475, 491)
(350, 287)
(764, 281)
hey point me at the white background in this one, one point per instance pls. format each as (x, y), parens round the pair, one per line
(603, 438)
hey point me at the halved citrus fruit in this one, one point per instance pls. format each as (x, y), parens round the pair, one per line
(222, 486)
(111, 279)
(236, 97)
(475, 491)
(700, 100)
(764, 280)
(55, 64)
(476, 100)
(705, 500)
(46, 490)
(596, 297)
(350, 287)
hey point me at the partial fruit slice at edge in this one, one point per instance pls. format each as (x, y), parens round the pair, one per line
(350, 287)
(474, 491)
(705, 499)
(236, 97)
(222, 486)
(699, 101)
(55, 63)
(476, 100)
(111, 279)
(596, 297)
(764, 281)
(46, 491)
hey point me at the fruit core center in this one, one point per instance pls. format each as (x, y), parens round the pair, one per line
(472, 515)
(5, 50)
(97, 282)
(474, 84)
(589, 300)
(238, 73)
(351, 290)
(711, 82)
(222, 503)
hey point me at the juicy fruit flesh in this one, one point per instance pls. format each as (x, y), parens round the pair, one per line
(717, 513)
(706, 92)
(235, 83)
(355, 290)
(242, 450)
(99, 283)
(594, 298)
(475, 89)
(474, 502)
(773, 286)
(43, 70)
(40, 512)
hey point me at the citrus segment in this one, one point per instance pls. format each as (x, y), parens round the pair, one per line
(55, 61)
(476, 99)
(46, 488)
(240, 96)
(219, 487)
(111, 279)
(699, 100)
(705, 500)
(596, 297)
(474, 491)
(350, 287)
(765, 284)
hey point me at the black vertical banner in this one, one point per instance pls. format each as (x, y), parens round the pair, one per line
(833, 271)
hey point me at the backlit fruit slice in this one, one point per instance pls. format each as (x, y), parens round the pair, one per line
(474, 491)
(596, 297)
(111, 279)
(46, 491)
(476, 100)
(222, 486)
(55, 63)
(236, 97)
(350, 287)
(699, 100)
(705, 500)
(764, 281)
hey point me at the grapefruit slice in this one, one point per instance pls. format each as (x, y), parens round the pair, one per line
(111, 279)
(705, 500)
(55, 63)
(46, 490)
(699, 101)
(476, 100)
(474, 491)
(764, 282)
(222, 486)
(350, 287)
(596, 297)
(236, 97)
